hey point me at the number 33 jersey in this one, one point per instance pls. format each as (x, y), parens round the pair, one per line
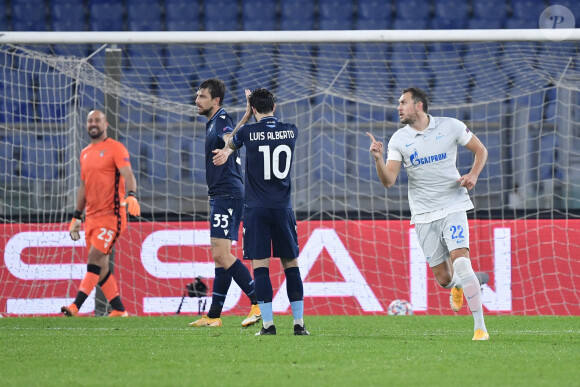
(269, 155)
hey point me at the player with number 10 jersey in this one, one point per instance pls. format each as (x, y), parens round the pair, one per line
(269, 152)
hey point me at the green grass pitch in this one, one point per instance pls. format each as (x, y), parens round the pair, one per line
(341, 351)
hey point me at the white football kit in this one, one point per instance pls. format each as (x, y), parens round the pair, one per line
(430, 158)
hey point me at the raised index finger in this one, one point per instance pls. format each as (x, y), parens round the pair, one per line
(371, 136)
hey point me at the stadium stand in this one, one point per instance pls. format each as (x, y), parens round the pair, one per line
(259, 15)
(29, 15)
(296, 15)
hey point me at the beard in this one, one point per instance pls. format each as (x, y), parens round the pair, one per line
(97, 134)
(409, 120)
(204, 112)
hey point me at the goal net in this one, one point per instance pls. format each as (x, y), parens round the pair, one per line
(358, 250)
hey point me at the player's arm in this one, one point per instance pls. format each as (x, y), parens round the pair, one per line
(388, 171)
(131, 201)
(221, 155)
(480, 151)
(75, 224)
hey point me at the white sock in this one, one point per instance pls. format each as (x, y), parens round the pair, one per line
(267, 324)
(455, 282)
(471, 290)
(299, 321)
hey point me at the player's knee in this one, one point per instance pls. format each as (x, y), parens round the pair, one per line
(444, 281)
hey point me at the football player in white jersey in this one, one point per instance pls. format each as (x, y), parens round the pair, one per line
(438, 197)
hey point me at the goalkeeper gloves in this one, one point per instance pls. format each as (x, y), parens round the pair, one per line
(75, 226)
(132, 204)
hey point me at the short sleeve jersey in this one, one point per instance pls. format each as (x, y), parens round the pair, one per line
(104, 185)
(223, 180)
(269, 155)
(430, 158)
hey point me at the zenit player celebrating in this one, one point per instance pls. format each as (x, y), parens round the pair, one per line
(269, 221)
(438, 197)
(226, 195)
(105, 170)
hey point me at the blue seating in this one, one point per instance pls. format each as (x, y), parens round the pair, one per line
(4, 22)
(370, 58)
(515, 23)
(221, 15)
(548, 165)
(259, 15)
(328, 157)
(527, 9)
(572, 5)
(297, 15)
(455, 10)
(336, 14)
(411, 24)
(374, 9)
(173, 87)
(219, 62)
(29, 15)
(490, 9)
(482, 24)
(55, 96)
(144, 15)
(67, 15)
(106, 16)
(76, 50)
(17, 96)
(332, 69)
(413, 10)
(146, 58)
(182, 58)
(257, 67)
(40, 155)
(183, 11)
(8, 158)
(187, 159)
(448, 24)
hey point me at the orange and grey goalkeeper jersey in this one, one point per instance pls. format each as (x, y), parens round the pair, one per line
(104, 185)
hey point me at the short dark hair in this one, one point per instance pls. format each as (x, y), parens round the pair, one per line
(418, 95)
(262, 100)
(215, 87)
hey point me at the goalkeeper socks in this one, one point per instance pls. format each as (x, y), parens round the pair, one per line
(88, 283)
(243, 278)
(471, 290)
(264, 294)
(111, 291)
(221, 285)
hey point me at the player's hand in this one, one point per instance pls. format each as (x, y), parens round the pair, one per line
(468, 181)
(132, 204)
(376, 147)
(221, 155)
(248, 107)
(74, 229)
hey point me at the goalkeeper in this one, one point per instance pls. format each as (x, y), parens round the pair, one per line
(105, 171)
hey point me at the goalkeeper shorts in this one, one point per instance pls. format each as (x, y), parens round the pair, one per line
(102, 232)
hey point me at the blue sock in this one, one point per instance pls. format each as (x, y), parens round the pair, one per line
(295, 291)
(264, 293)
(221, 285)
(243, 278)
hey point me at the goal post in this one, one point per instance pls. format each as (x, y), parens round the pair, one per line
(517, 90)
